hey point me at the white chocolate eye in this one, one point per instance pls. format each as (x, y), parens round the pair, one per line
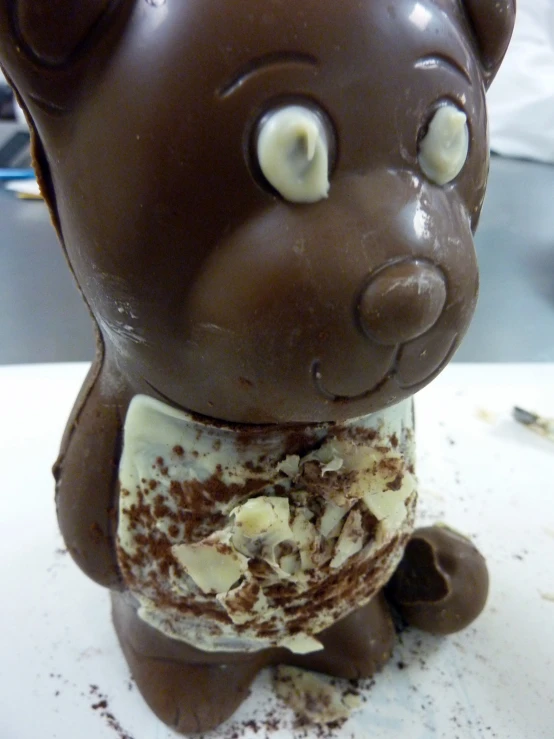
(293, 154)
(443, 151)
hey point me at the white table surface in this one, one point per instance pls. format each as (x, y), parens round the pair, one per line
(479, 471)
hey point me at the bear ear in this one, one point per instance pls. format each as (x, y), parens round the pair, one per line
(53, 30)
(492, 22)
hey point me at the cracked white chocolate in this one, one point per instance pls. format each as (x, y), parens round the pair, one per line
(261, 522)
(293, 154)
(350, 540)
(313, 698)
(443, 151)
(236, 538)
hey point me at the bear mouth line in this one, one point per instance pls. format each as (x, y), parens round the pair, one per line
(390, 375)
(317, 378)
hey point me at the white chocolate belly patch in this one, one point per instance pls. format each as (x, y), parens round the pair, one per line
(247, 537)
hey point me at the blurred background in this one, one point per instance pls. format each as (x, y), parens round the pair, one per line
(42, 317)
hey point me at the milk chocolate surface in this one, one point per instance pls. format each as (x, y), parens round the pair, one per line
(211, 289)
(324, 287)
(442, 583)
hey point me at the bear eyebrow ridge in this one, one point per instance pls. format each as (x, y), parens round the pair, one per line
(436, 61)
(262, 63)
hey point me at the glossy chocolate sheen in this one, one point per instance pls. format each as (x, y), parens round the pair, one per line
(211, 292)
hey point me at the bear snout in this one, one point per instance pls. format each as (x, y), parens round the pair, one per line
(324, 311)
(401, 301)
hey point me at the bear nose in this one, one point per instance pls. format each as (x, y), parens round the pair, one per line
(402, 301)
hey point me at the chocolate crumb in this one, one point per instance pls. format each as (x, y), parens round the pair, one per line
(102, 707)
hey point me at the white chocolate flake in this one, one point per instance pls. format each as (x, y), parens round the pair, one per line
(290, 466)
(305, 537)
(388, 505)
(312, 698)
(245, 602)
(351, 539)
(328, 456)
(214, 566)
(333, 466)
(330, 522)
(301, 644)
(290, 564)
(261, 522)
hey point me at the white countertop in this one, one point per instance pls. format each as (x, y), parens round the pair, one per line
(479, 471)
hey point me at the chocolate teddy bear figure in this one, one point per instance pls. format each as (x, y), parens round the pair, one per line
(268, 208)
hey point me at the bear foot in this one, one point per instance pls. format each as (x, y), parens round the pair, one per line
(441, 584)
(189, 690)
(356, 647)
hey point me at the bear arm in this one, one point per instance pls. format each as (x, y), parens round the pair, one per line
(86, 475)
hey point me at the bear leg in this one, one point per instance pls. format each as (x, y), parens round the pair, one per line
(189, 690)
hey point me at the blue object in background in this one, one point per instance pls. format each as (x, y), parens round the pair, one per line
(9, 173)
